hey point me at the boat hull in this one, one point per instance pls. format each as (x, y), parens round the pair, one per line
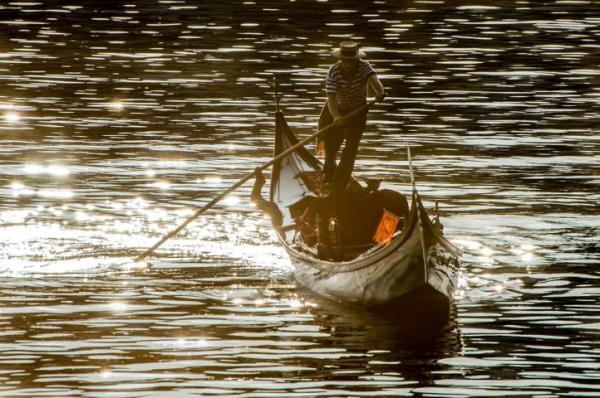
(387, 274)
(418, 259)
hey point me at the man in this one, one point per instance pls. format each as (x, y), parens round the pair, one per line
(346, 88)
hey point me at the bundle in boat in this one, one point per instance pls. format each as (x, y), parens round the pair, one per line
(345, 223)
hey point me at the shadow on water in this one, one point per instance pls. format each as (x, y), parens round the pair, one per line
(413, 334)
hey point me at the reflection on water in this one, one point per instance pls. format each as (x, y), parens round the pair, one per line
(118, 120)
(204, 330)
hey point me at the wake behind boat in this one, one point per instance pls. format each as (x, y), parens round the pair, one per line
(416, 259)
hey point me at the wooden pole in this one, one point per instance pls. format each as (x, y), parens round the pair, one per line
(417, 202)
(247, 177)
(276, 85)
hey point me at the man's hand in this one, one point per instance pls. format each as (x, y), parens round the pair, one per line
(260, 178)
(380, 97)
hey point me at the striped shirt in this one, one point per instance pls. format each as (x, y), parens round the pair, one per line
(352, 92)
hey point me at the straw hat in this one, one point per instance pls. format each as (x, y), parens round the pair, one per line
(348, 50)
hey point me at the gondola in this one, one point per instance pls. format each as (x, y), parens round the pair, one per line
(417, 261)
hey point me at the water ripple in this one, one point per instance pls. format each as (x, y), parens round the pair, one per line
(117, 122)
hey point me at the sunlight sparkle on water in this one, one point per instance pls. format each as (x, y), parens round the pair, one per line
(19, 189)
(524, 248)
(182, 343)
(17, 185)
(54, 170)
(118, 306)
(295, 303)
(487, 252)
(139, 265)
(12, 117)
(14, 216)
(232, 201)
(56, 193)
(81, 216)
(116, 106)
(117, 205)
(137, 203)
(525, 252)
(156, 214)
(184, 212)
(210, 180)
(527, 257)
(178, 164)
(468, 244)
(162, 185)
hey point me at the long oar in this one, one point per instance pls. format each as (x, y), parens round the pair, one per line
(248, 176)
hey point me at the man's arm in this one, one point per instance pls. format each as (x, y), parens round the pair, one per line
(377, 86)
(261, 203)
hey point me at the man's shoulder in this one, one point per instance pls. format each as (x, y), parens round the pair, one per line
(365, 67)
(334, 69)
(363, 64)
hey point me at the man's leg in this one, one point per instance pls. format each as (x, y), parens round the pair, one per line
(325, 119)
(333, 141)
(354, 131)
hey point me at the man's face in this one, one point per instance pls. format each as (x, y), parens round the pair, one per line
(348, 65)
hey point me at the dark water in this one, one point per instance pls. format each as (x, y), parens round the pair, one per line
(119, 117)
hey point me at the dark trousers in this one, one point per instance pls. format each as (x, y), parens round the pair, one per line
(351, 131)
